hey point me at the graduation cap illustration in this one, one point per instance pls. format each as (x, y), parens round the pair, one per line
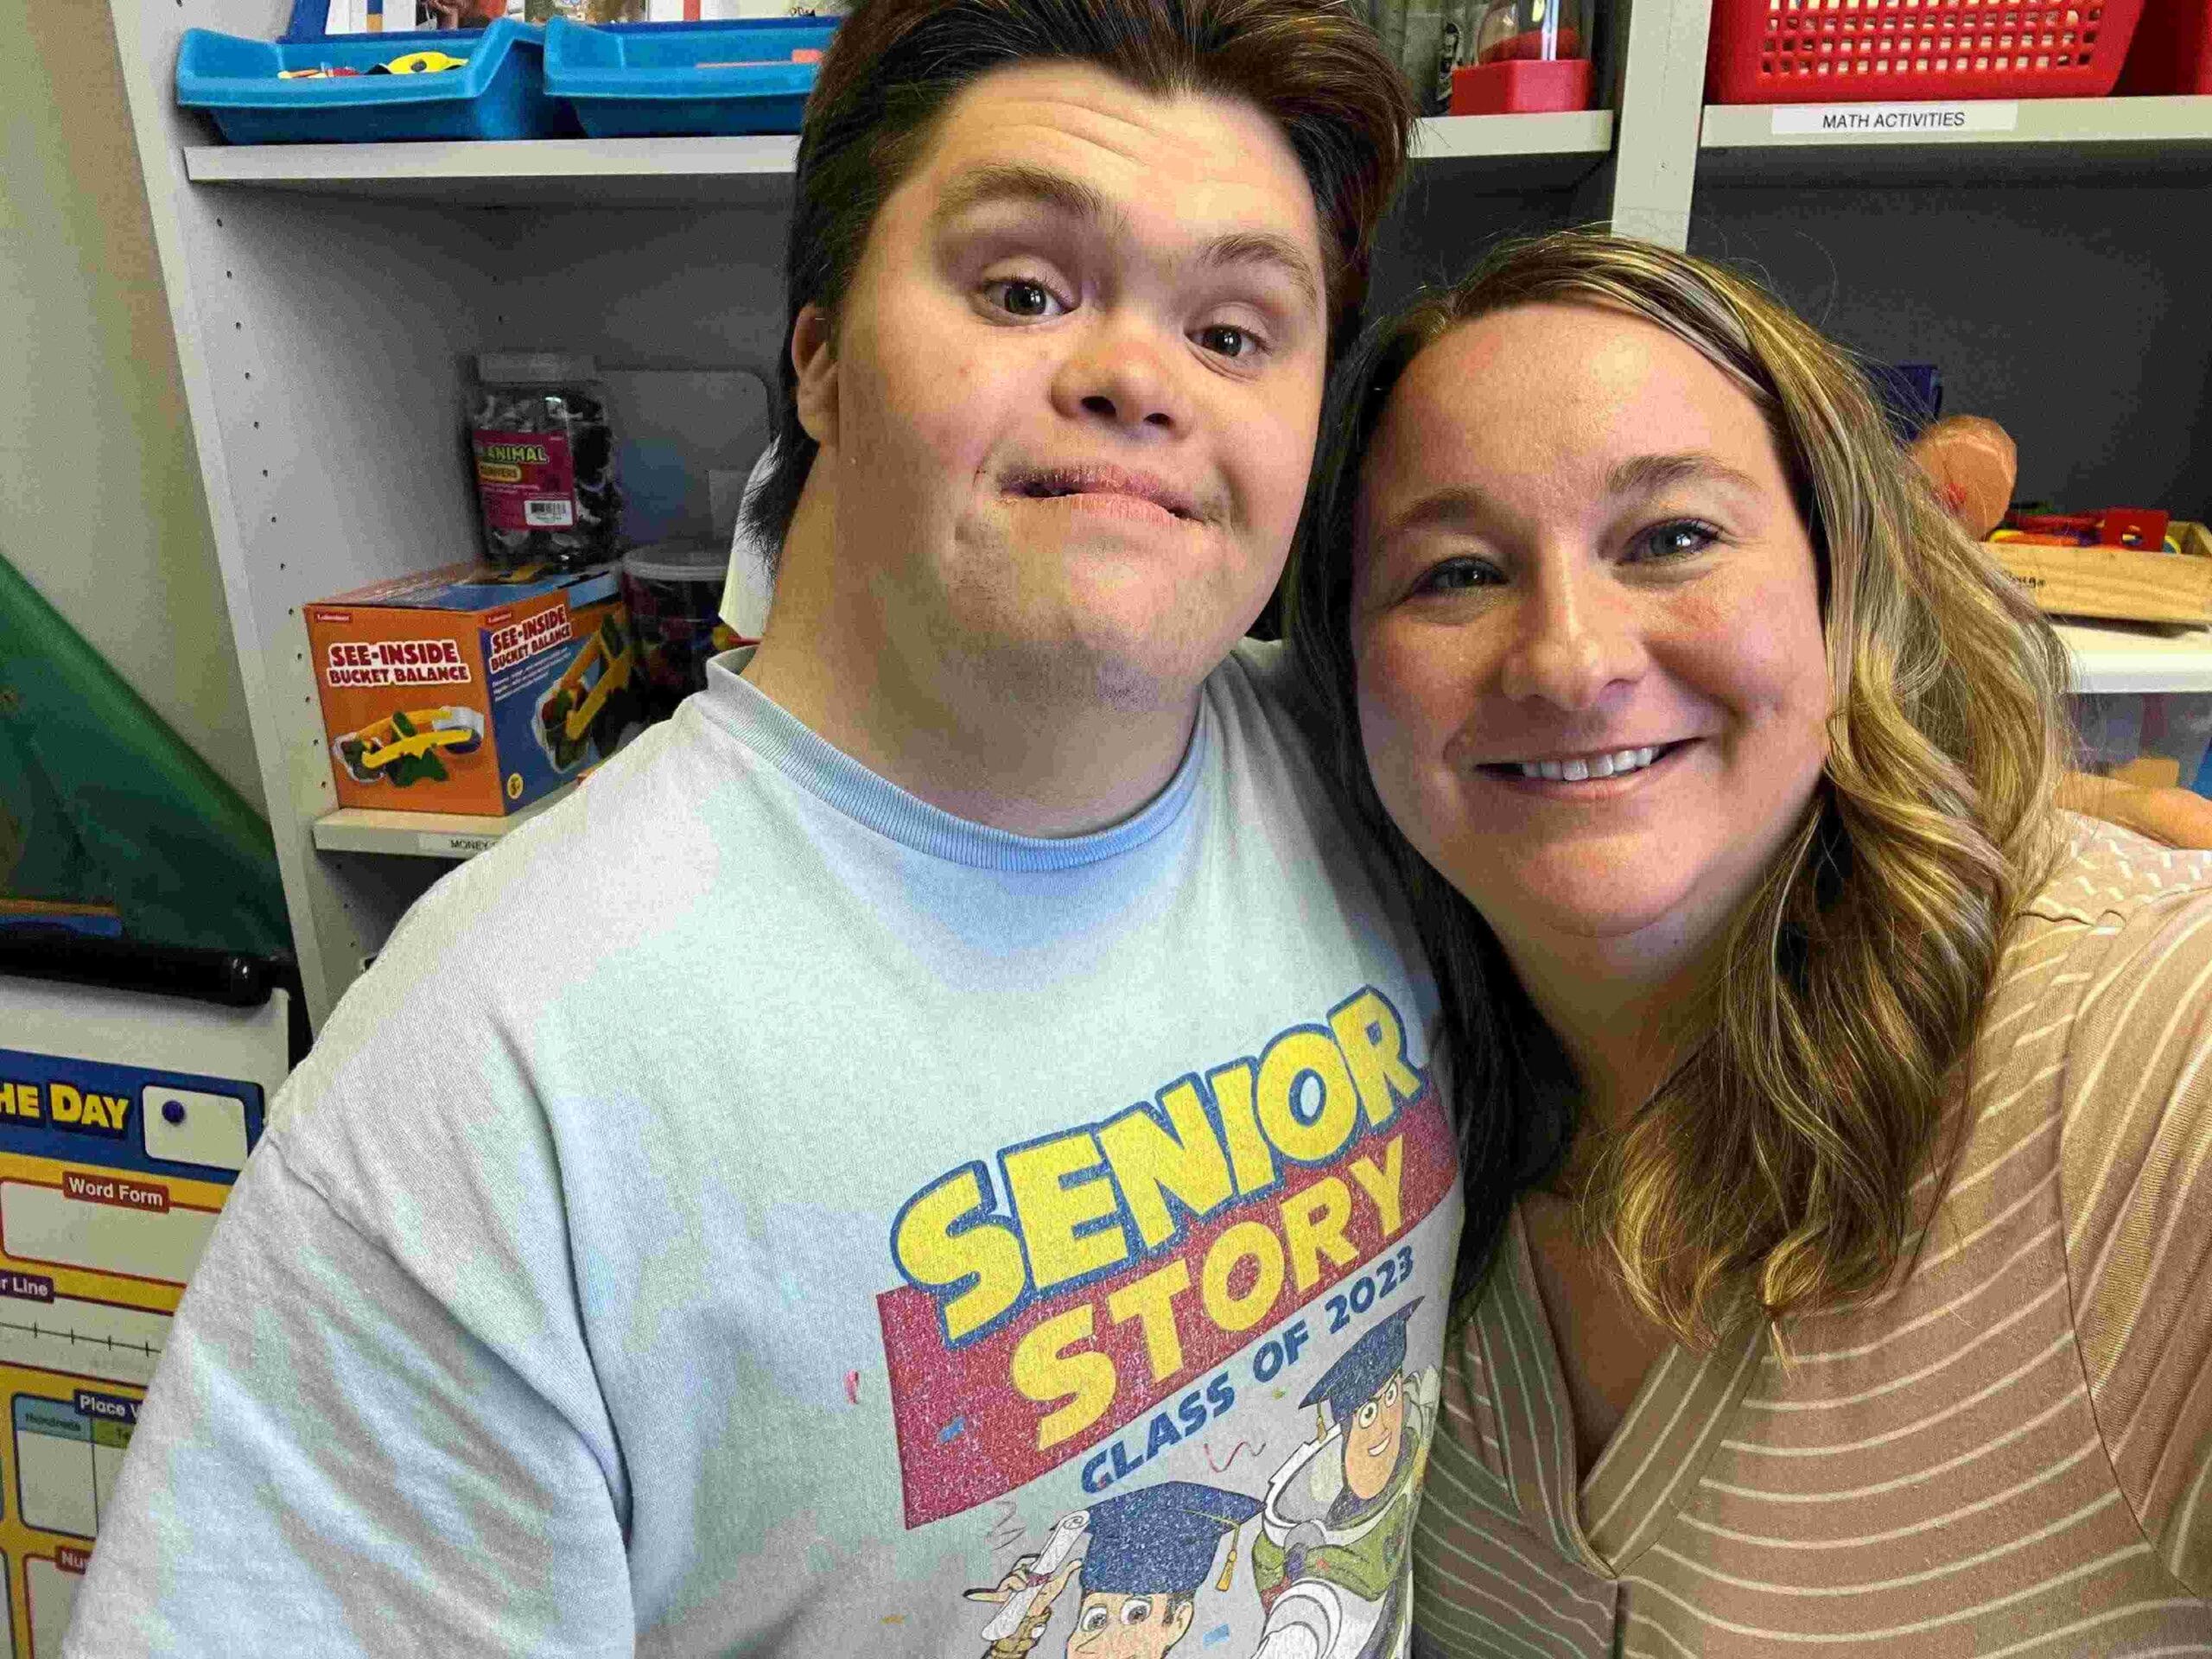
(1363, 1367)
(1160, 1540)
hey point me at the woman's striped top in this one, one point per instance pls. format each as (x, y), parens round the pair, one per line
(2004, 1454)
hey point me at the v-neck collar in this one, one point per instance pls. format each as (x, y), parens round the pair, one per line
(1657, 1455)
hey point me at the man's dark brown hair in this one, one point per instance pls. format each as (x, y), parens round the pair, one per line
(1313, 66)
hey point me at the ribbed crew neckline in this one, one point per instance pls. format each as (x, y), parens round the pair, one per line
(844, 783)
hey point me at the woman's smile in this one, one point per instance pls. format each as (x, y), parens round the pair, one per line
(1586, 775)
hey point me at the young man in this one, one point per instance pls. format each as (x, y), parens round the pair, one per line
(956, 1072)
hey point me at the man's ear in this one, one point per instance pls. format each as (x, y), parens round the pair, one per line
(814, 359)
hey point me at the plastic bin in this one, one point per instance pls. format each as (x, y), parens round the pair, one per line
(1892, 51)
(2173, 53)
(499, 94)
(672, 79)
(2157, 738)
(672, 591)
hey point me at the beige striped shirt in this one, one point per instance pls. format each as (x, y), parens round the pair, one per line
(2006, 1454)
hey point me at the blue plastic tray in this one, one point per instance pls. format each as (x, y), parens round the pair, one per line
(499, 94)
(645, 80)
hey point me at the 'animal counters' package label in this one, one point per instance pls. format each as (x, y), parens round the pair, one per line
(527, 480)
(1207, 1330)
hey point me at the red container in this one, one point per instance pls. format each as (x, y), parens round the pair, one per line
(2172, 51)
(1520, 87)
(1908, 51)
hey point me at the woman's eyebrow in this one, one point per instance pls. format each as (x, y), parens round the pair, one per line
(1648, 474)
(1457, 503)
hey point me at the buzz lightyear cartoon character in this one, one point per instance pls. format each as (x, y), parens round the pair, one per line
(1330, 1559)
(1145, 1555)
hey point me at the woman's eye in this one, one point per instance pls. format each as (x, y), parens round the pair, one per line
(1456, 576)
(1677, 539)
(1227, 339)
(1019, 297)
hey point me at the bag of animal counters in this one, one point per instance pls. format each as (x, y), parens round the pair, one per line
(470, 690)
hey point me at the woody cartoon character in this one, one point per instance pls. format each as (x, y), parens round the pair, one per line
(1330, 1559)
(1145, 1555)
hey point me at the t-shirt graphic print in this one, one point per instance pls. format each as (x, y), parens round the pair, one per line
(1206, 1331)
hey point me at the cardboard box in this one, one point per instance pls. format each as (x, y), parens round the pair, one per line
(470, 689)
(2129, 584)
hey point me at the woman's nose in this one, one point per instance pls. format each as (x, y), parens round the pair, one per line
(1575, 639)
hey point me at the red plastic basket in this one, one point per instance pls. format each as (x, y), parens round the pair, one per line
(2172, 51)
(1902, 51)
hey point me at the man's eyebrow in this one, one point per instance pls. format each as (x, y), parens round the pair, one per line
(1021, 182)
(1269, 251)
(1648, 474)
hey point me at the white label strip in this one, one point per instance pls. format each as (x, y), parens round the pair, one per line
(1894, 120)
(445, 846)
(80, 1339)
(42, 1224)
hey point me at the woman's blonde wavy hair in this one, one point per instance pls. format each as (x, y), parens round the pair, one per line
(1773, 1169)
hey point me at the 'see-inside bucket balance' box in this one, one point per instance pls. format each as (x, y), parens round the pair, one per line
(470, 689)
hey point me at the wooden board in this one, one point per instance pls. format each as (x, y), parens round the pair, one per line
(2117, 581)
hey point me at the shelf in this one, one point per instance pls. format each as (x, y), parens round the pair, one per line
(2040, 139)
(1573, 133)
(423, 835)
(526, 172)
(647, 172)
(2117, 656)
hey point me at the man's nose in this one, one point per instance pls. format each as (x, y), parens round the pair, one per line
(1124, 373)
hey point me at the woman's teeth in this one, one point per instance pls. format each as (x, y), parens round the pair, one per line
(1598, 765)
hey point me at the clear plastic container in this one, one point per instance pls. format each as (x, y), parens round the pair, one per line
(1528, 56)
(673, 589)
(543, 448)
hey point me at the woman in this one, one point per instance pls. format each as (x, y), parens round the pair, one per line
(1838, 1113)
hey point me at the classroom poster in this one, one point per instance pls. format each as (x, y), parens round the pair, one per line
(114, 1161)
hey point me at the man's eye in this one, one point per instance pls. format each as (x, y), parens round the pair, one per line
(1094, 1619)
(1018, 296)
(1678, 538)
(1135, 1612)
(1227, 339)
(1367, 1413)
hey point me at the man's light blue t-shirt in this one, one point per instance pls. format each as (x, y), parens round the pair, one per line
(750, 1211)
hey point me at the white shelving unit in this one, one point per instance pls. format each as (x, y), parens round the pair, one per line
(2118, 656)
(327, 301)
